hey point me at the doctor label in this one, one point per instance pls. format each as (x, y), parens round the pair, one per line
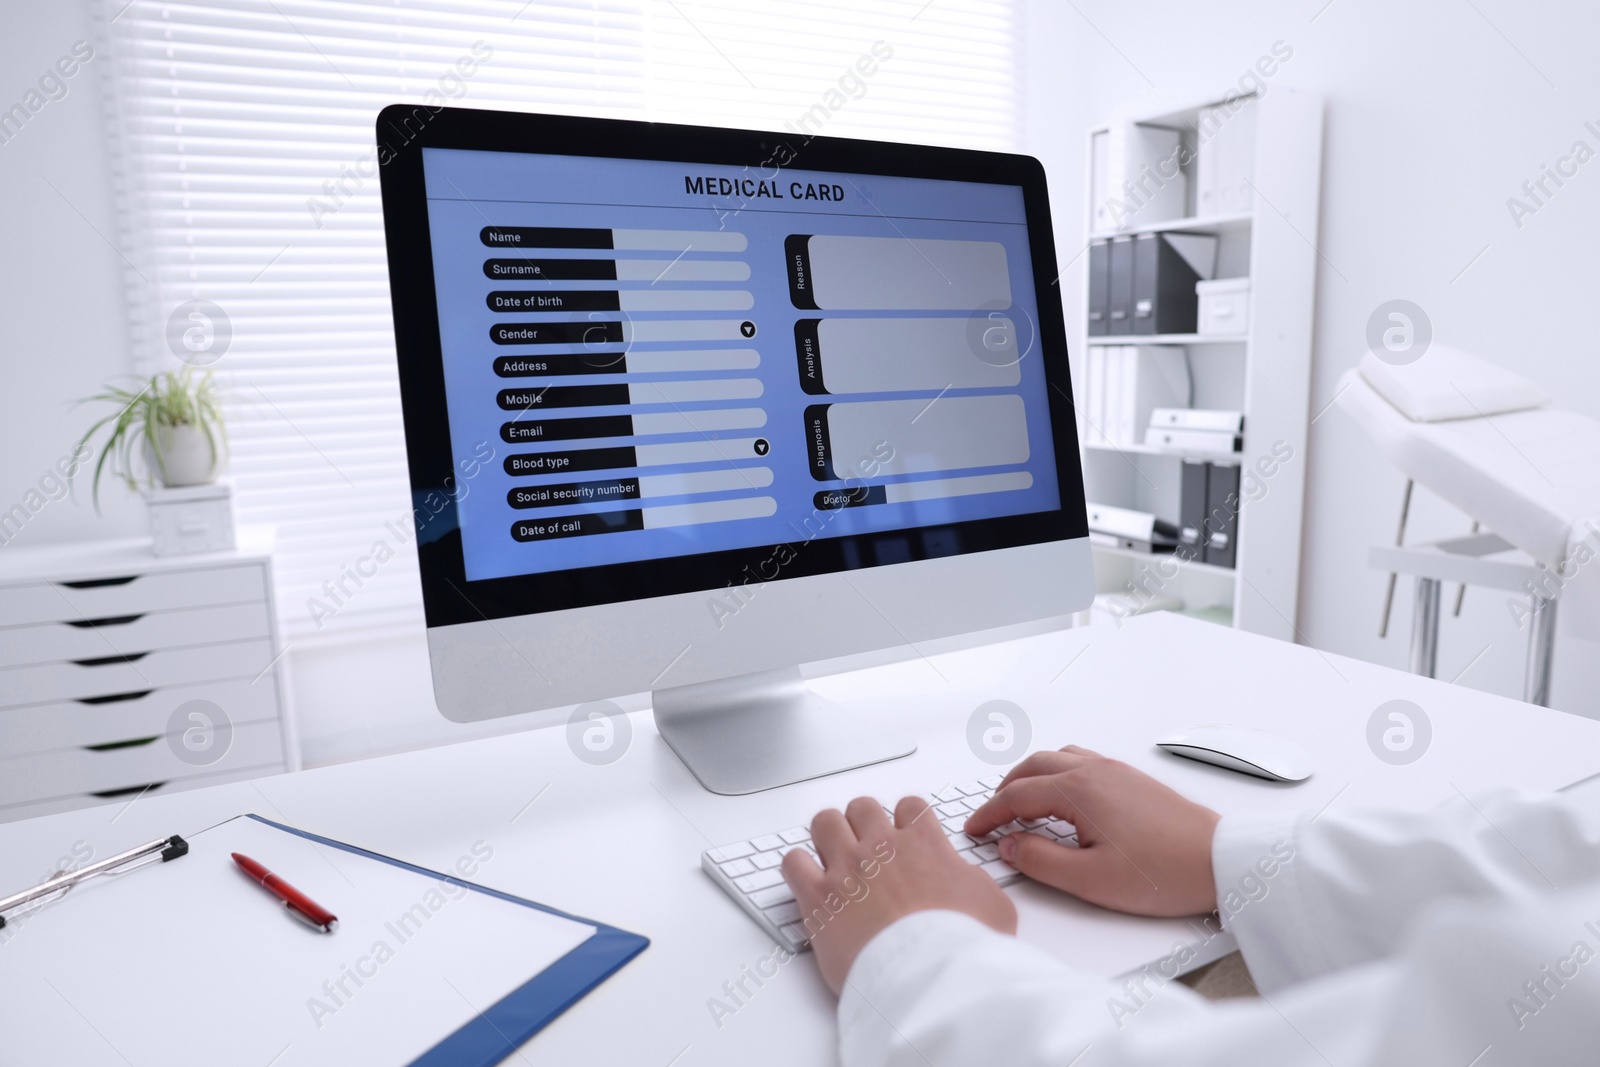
(199, 732)
(999, 732)
(1399, 732)
(599, 732)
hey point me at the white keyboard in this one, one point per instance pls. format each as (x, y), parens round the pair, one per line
(748, 870)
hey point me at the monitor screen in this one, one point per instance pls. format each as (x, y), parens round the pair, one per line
(670, 359)
(639, 360)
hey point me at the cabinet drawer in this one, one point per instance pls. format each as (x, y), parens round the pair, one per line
(73, 771)
(130, 594)
(50, 682)
(34, 808)
(50, 642)
(74, 724)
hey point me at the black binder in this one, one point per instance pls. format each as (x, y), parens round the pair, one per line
(1099, 286)
(1192, 501)
(1164, 300)
(1222, 514)
(1119, 309)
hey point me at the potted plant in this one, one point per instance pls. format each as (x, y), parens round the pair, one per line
(169, 431)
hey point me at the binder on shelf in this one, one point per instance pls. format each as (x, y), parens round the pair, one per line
(1192, 501)
(1119, 287)
(1210, 442)
(1096, 406)
(1148, 376)
(1099, 287)
(1144, 177)
(1225, 159)
(1222, 515)
(1197, 419)
(1131, 525)
(1166, 267)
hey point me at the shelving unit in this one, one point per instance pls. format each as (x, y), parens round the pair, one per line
(1264, 372)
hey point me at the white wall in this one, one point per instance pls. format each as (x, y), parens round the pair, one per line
(1435, 117)
(61, 294)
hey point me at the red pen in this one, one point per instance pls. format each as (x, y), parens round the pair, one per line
(298, 904)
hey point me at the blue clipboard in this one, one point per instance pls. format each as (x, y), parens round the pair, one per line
(501, 1028)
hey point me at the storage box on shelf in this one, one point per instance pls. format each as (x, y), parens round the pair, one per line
(122, 673)
(1250, 178)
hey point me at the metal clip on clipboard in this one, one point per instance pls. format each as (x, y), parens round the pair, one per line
(166, 848)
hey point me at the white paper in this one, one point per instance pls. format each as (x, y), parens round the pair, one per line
(191, 962)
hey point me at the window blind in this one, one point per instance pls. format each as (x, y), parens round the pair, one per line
(246, 172)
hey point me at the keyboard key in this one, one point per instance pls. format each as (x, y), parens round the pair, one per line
(767, 842)
(970, 788)
(948, 793)
(1060, 828)
(992, 782)
(987, 852)
(961, 842)
(735, 868)
(783, 914)
(972, 857)
(1012, 827)
(796, 933)
(760, 880)
(795, 836)
(997, 869)
(1032, 824)
(737, 850)
(953, 809)
(767, 860)
(777, 894)
(974, 803)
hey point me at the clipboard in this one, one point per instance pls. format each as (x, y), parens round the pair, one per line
(233, 955)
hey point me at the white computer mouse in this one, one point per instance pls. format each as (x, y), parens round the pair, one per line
(1239, 748)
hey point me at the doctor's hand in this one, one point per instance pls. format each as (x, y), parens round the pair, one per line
(1142, 848)
(874, 872)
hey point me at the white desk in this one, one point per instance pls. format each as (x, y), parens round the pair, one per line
(621, 843)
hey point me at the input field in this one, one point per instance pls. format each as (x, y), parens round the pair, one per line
(896, 273)
(934, 489)
(645, 330)
(714, 420)
(903, 355)
(912, 436)
(691, 392)
(685, 299)
(664, 455)
(678, 240)
(692, 482)
(533, 237)
(750, 507)
(938, 488)
(682, 270)
(647, 362)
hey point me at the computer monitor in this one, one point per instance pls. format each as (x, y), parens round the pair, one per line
(686, 408)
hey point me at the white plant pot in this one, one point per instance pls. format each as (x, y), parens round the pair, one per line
(186, 457)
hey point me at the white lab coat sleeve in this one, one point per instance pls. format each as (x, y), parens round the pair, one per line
(1520, 978)
(1326, 892)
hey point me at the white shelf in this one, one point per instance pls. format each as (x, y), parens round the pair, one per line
(1225, 459)
(1264, 372)
(1193, 565)
(1167, 339)
(1217, 224)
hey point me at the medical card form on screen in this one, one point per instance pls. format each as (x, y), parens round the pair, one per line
(666, 359)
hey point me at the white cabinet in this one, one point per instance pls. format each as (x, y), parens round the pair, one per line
(122, 674)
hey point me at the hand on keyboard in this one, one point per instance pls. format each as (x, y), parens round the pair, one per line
(874, 871)
(1141, 847)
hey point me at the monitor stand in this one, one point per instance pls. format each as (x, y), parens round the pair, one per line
(759, 731)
